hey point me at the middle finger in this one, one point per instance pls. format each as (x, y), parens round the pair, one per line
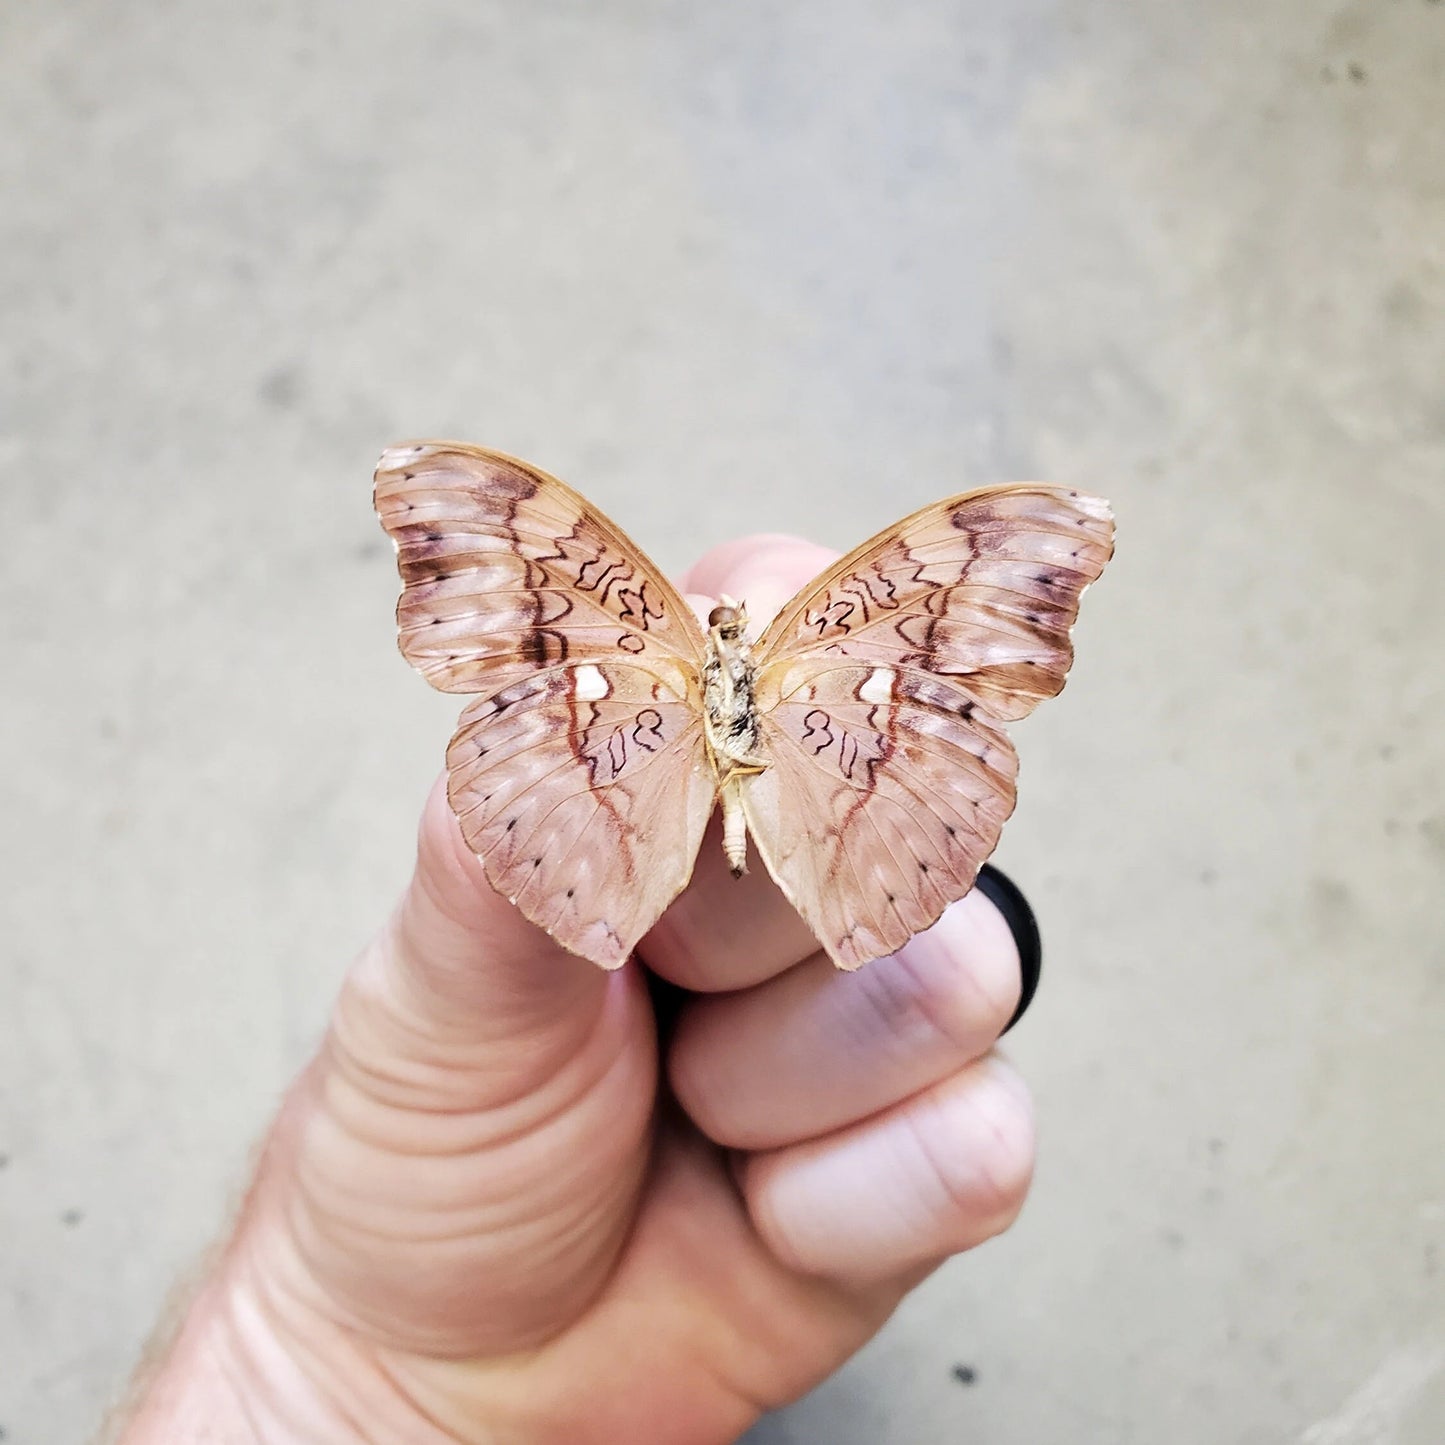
(815, 1048)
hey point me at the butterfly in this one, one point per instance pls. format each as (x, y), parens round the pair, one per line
(859, 740)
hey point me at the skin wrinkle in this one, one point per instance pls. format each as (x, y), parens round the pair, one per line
(416, 1084)
(1005, 1186)
(733, 1385)
(551, 1066)
(299, 1352)
(422, 1411)
(582, 1227)
(762, 1341)
(808, 1236)
(902, 1005)
(455, 994)
(1008, 1112)
(763, 1211)
(532, 1141)
(320, 1371)
(422, 1089)
(496, 1218)
(804, 1283)
(575, 1293)
(334, 1381)
(707, 1092)
(242, 1385)
(964, 1028)
(404, 944)
(230, 1364)
(858, 1025)
(292, 1278)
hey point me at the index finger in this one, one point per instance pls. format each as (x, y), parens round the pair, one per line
(725, 932)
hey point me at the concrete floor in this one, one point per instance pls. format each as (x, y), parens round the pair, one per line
(732, 268)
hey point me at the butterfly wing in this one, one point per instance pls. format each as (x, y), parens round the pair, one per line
(881, 689)
(578, 773)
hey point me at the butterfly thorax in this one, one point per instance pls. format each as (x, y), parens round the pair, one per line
(730, 719)
(728, 676)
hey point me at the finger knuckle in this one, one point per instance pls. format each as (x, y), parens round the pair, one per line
(964, 997)
(980, 1145)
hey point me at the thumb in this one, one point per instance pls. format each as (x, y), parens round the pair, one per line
(460, 952)
(481, 1094)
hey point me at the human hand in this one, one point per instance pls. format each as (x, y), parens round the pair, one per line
(482, 1217)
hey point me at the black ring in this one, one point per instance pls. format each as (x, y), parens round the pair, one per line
(1006, 896)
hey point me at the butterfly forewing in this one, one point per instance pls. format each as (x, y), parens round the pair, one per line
(507, 569)
(578, 774)
(984, 587)
(880, 690)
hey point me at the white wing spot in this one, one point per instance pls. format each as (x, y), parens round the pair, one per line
(879, 687)
(590, 685)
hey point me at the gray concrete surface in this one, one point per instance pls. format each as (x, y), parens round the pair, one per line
(785, 267)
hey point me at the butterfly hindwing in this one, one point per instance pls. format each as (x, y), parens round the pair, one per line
(875, 814)
(585, 791)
